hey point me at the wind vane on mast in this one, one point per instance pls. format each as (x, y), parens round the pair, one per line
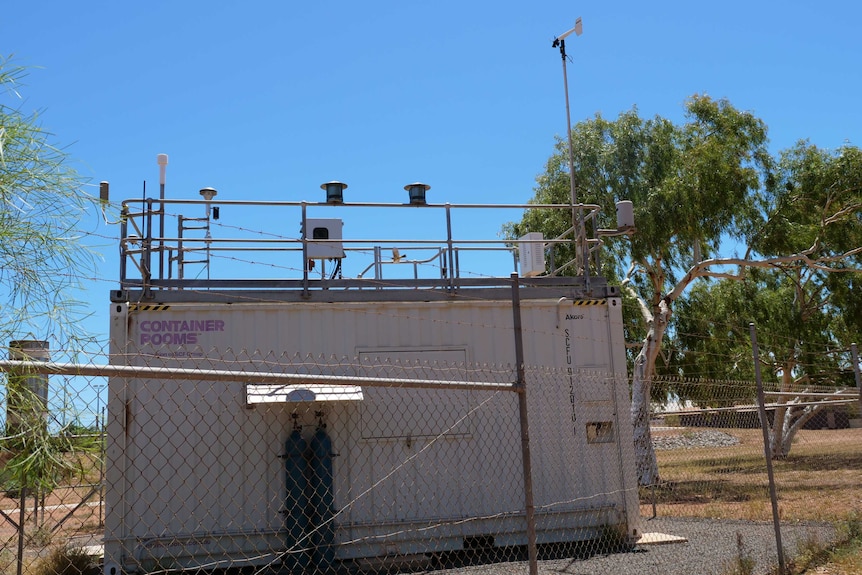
(577, 30)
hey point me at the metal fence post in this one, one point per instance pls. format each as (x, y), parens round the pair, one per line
(21, 527)
(532, 552)
(854, 353)
(764, 425)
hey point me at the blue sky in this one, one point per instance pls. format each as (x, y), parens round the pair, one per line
(267, 100)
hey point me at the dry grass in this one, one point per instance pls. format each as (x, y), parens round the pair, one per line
(63, 561)
(73, 488)
(818, 481)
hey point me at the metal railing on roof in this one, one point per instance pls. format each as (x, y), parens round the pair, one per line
(152, 261)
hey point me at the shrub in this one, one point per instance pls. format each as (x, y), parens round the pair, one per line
(66, 561)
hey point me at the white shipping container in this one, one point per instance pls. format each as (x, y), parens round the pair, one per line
(195, 473)
(295, 409)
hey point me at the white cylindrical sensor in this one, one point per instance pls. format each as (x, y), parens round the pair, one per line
(162, 160)
(625, 215)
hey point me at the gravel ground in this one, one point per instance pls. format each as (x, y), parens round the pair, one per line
(692, 439)
(711, 550)
(712, 547)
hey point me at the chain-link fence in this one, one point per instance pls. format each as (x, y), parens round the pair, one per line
(220, 459)
(52, 461)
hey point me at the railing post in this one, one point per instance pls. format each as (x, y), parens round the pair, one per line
(124, 229)
(305, 293)
(450, 246)
(147, 247)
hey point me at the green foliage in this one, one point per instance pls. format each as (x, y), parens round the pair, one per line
(713, 337)
(851, 527)
(83, 438)
(814, 206)
(689, 183)
(41, 203)
(40, 537)
(842, 555)
(695, 186)
(36, 458)
(814, 201)
(803, 313)
(672, 420)
(41, 262)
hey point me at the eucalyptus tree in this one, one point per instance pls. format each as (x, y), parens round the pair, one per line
(811, 236)
(693, 185)
(800, 280)
(813, 213)
(698, 186)
(795, 332)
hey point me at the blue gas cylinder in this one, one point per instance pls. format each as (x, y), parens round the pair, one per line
(296, 502)
(322, 500)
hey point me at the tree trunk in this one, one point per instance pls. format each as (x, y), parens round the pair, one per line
(780, 420)
(795, 419)
(645, 458)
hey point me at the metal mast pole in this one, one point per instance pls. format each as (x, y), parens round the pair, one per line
(581, 254)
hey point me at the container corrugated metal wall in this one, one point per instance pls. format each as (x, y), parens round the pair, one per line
(187, 458)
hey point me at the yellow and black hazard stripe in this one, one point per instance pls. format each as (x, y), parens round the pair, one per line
(586, 302)
(148, 307)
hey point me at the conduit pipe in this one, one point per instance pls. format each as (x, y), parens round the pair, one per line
(133, 371)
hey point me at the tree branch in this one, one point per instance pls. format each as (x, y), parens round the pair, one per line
(702, 269)
(646, 313)
(841, 213)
